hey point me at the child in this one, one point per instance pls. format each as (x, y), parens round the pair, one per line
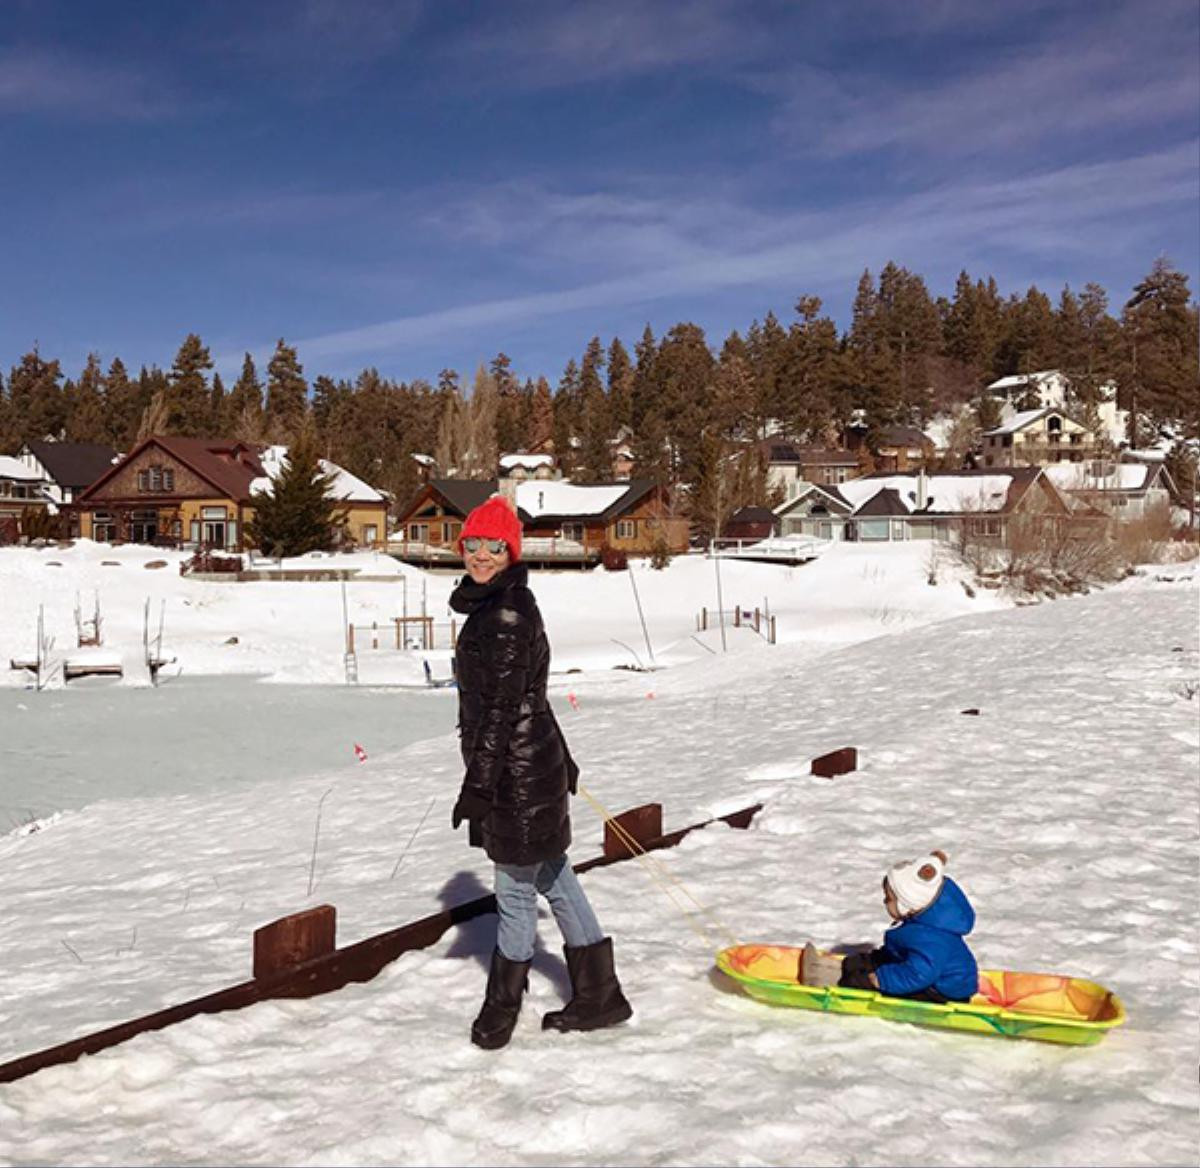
(923, 956)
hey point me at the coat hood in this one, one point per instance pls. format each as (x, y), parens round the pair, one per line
(951, 911)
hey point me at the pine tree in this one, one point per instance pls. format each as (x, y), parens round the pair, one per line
(480, 456)
(595, 455)
(567, 418)
(541, 420)
(244, 409)
(188, 403)
(38, 407)
(685, 371)
(620, 385)
(8, 427)
(509, 407)
(297, 515)
(1158, 374)
(287, 394)
(218, 406)
(122, 410)
(86, 422)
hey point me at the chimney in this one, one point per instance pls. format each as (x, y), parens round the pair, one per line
(922, 490)
(508, 488)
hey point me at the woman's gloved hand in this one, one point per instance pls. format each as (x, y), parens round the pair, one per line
(469, 806)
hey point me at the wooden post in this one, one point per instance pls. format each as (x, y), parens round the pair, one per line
(374, 634)
(642, 823)
(737, 616)
(350, 639)
(399, 638)
(838, 762)
(772, 630)
(294, 940)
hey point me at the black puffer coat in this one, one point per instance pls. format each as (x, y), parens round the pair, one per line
(515, 753)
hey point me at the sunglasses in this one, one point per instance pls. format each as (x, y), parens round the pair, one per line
(495, 547)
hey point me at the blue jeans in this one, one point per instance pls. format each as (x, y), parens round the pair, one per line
(517, 888)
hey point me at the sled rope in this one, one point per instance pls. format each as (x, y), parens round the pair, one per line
(664, 880)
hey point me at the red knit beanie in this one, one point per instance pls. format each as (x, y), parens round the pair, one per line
(494, 519)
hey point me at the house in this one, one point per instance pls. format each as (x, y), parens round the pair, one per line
(881, 507)
(750, 523)
(1053, 389)
(563, 522)
(814, 510)
(1037, 438)
(69, 467)
(362, 509)
(1126, 491)
(22, 491)
(902, 448)
(199, 492)
(789, 465)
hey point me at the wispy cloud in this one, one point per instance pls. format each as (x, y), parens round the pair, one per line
(1067, 83)
(1059, 213)
(536, 44)
(34, 80)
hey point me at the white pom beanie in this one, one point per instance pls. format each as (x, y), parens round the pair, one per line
(916, 883)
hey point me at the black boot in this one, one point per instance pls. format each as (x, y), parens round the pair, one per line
(596, 998)
(506, 983)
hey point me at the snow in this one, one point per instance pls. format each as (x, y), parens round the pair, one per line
(528, 461)
(945, 493)
(544, 497)
(344, 486)
(14, 468)
(1118, 476)
(171, 822)
(1018, 421)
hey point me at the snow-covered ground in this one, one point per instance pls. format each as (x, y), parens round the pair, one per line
(1068, 808)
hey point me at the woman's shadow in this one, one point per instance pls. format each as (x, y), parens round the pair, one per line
(473, 911)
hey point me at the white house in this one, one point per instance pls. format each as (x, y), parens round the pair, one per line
(1051, 389)
(1127, 491)
(1037, 438)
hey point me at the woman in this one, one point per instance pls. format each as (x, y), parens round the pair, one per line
(516, 791)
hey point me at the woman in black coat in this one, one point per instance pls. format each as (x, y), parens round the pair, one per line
(519, 778)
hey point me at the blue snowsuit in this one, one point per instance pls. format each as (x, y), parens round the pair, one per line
(927, 951)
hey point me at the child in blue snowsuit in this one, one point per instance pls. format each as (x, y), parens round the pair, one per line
(923, 955)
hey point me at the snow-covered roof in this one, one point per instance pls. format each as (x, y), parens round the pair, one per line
(425, 459)
(14, 468)
(1019, 421)
(1117, 476)
(557, 497)
(1017, 380)
(346, 488)
(508, 461)
(943, 493)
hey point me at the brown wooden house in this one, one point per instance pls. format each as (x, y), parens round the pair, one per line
(564, 523)
(196, 491)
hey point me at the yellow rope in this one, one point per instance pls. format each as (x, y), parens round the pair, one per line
(663, 878)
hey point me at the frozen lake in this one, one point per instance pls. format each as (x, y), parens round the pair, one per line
(61, 749)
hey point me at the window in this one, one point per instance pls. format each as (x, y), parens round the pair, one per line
(155, 479)
(213, 532)
(418, 532)
(626, 529)
(143, 526)
(832, 475)
(104, 527)
(371, 533)
(873, 529)
(985, 526)
(573, 531)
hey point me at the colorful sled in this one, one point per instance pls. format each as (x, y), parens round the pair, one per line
(1043, 1006)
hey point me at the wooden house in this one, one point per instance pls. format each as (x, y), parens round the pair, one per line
(563, 522)
(198, 492)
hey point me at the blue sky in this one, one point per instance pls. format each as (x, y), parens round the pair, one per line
(421, 183)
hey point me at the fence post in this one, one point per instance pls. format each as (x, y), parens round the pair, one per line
(737, 616)
(399, 641)
(374, 635)
(772, 630)
(351, 638)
